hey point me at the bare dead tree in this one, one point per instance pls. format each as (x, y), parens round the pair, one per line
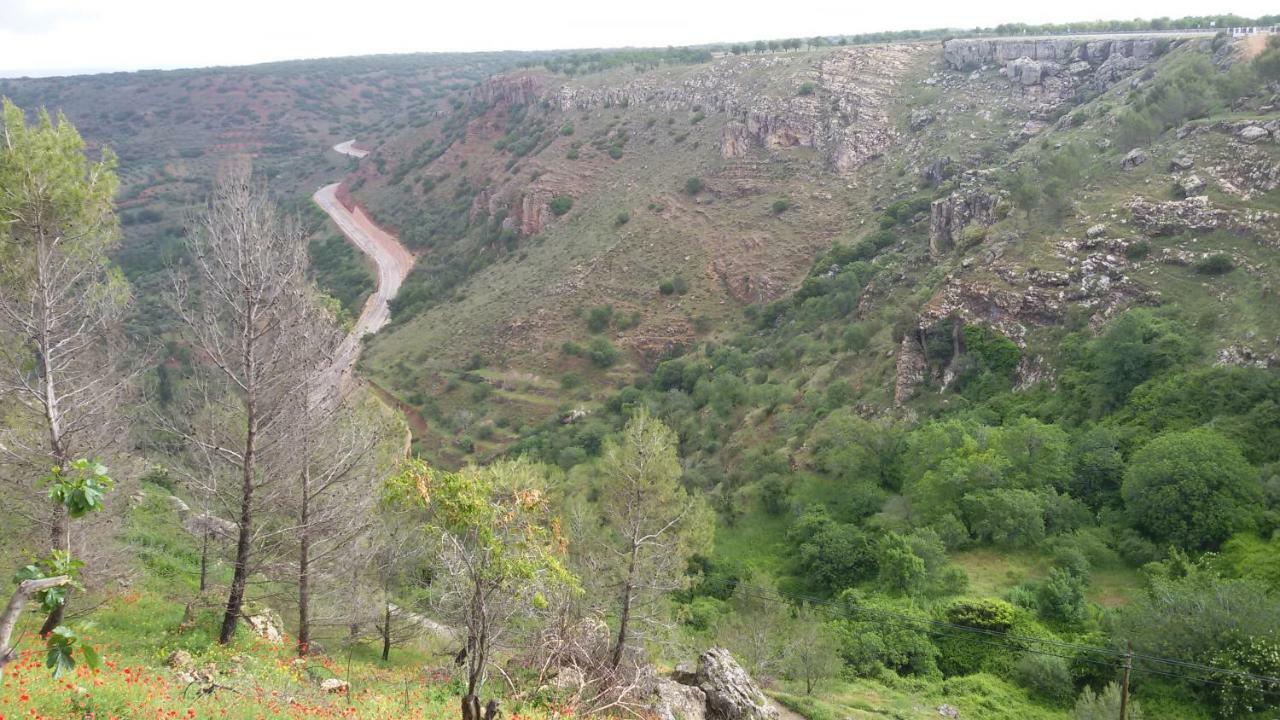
(250, 313)
(61, 305)
(342, 457)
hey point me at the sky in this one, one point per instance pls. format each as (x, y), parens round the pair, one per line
(59, 37)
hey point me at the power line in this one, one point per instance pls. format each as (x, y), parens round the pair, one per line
(914, 623)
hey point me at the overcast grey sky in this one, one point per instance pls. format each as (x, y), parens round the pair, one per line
(66, 36)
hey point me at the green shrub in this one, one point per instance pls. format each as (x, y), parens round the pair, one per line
(666, 287)
(623, 218)
(566, 129)
(569, 381)
(987, 614)
(571, 348)
(972, 235)
(693, 186)
(560, 205)
(1060, 598)
(1218, 264)
(1137, 250)
(807, 88)
(1046, 676)
(775, 494)
(602, 353)
(703, 612)
(615, 151)
(599, 318)
(780, 206)
(1104, 705)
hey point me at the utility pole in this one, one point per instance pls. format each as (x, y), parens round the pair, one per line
(1124, 684)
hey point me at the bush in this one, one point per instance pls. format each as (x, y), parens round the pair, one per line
(1219, 264)
(1192, 489)
(693, 186)
(566, 129)
(1137, 250)
(989, 614)
(1046, 676)
(775, 494)
(602, 353)
(972, 235)
(599, 318)
(569, 381)
(623, 218)
(1104, 705)
(666, 287)
(807, 88)
(615, 151)
(1060, 598)
(703, 612)
(560, 205)
(780, 206)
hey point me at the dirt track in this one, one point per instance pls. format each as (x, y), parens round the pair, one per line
(393, 262)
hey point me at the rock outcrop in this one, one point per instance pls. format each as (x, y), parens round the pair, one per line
(846, 119)
(266, 624)
(675, 701)
(1171, 218)
(1133, 159)
(1054, 65)
(949, 216)
(911, 369)
(731, 693)
(969, 54)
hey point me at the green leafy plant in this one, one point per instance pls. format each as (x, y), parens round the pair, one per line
(80, 486)
(60, 653)
(58, 563)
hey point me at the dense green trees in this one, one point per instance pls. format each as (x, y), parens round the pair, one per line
(1192, 489)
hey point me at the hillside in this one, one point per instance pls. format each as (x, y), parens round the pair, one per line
(904, 146)
(173, 129)
(929, 375)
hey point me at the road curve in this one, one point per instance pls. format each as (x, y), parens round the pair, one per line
(393, 262)
(349, 148)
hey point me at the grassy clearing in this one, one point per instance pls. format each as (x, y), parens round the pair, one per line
(978, 696)
(136, 631)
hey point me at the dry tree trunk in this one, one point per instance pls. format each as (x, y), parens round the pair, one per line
(304, 565)
(9, 619)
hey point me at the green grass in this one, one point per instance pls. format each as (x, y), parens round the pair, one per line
(976, 696)
(135, 630)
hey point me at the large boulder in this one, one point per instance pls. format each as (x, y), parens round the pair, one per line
(674, 701)
(1191, 185)
(266, 624)
(731, 693)
(1254, 133)
(1135, 158)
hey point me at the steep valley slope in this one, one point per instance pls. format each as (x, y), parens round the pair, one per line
(542, 201)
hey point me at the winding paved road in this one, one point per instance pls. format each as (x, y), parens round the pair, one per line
(393, 262)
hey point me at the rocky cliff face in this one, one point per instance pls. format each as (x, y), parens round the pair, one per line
(1056, 65)
(845, 117)
(969, 54)
(949, 216)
